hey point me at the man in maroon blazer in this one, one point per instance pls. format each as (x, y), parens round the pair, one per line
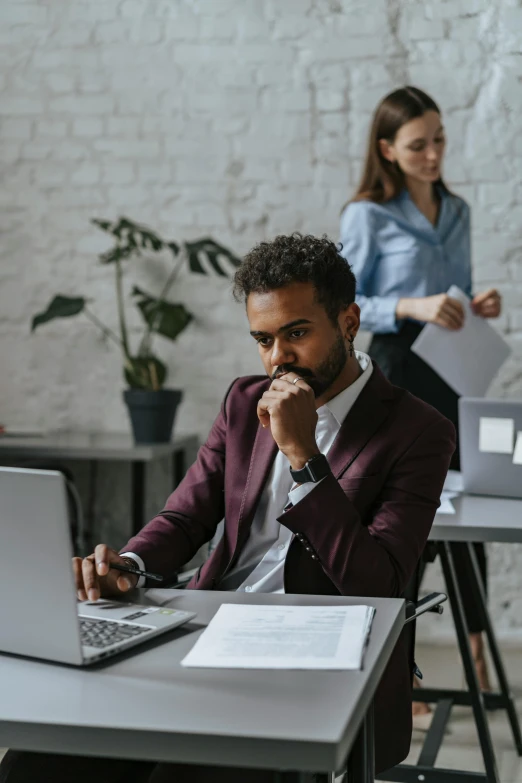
(353, 522)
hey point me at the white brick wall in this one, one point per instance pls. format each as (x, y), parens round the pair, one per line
(237, 120)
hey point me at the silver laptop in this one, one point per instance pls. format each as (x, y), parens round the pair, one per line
(488, 432)
(40, 615)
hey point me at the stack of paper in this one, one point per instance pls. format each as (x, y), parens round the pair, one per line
(454, 482)
(246, 636)
(446, 506)
(453, 486)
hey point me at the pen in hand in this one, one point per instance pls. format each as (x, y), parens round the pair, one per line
(128, 570)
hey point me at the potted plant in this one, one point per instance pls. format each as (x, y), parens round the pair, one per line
(152, 407)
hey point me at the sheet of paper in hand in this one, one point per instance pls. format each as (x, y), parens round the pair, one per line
(467, 359)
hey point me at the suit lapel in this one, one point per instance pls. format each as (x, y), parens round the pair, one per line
(261, 461)
(363, 420)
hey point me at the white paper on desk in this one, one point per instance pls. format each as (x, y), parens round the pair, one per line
(454, 482)
(467, 359)
(246, 636)
(517, 454)
(446, 506)
(496, 435)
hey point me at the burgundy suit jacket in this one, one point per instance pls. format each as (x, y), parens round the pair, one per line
(360, 531)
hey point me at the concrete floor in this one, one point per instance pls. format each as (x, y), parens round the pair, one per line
(441, 668)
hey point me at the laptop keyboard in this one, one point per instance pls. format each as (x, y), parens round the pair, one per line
(103, 633)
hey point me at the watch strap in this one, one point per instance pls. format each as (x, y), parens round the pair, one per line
(315, 469)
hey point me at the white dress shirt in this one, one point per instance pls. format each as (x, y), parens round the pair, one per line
(260, 566)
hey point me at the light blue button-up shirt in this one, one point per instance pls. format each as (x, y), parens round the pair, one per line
(395, 252)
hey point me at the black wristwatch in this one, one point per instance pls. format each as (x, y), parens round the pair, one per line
(315, 469)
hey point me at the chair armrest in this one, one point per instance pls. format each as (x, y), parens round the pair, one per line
(432, 603)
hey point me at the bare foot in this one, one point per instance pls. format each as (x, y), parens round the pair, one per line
(476, 642)
(419, 707)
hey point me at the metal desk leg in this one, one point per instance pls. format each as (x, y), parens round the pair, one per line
(425, 768)
(509, 704)
(360, 767)
(461, 627)
(138, 496)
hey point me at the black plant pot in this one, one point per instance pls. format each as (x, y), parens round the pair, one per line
(152, 413)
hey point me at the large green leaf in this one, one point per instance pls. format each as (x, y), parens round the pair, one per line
(60, 307)
(145, 372)
(131, 238)
(117, 253)
(165, 318)
(105, 225)
(213, 252)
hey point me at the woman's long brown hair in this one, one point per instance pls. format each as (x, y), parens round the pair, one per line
(381, 179)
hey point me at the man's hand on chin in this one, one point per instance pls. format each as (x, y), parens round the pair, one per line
(288, 408)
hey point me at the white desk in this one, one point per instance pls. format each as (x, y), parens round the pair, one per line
(147, 706)
(480, 518)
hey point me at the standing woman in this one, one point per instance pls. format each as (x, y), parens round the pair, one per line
(407, 238)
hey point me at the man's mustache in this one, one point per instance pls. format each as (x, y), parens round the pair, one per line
(303, 372)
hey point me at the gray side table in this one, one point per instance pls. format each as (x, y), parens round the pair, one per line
(96, 447)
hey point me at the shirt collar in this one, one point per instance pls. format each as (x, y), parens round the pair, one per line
(416, 217)
(340, 405)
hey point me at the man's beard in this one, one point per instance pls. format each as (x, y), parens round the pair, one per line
(326, 373)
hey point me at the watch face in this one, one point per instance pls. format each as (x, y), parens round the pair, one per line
(319, 467)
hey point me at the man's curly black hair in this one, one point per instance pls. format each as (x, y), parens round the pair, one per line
(298, 259)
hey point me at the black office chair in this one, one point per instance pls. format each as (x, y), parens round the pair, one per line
(414, 609)
(430, 603)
